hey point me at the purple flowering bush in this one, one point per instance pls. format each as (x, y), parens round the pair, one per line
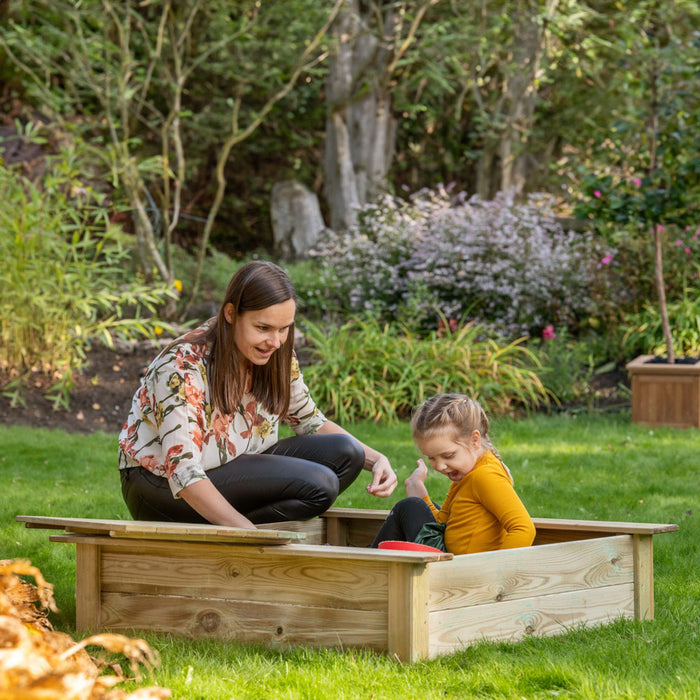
(508, 264)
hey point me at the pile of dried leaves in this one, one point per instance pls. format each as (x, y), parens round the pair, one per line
(38, 663)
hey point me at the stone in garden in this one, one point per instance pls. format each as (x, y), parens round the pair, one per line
(297, 223)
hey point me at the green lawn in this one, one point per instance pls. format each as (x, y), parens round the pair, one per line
(592, 467)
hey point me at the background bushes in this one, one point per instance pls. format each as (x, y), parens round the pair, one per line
(508, 264)
(367, 370)
(65, 277)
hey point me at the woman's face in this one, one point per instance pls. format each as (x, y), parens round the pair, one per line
(258, 334)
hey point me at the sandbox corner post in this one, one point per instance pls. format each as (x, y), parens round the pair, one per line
(87, 587)
(643, 549)
(408, 608)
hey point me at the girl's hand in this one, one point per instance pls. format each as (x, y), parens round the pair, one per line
(415, 484)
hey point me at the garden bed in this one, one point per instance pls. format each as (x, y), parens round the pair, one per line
(316, 583)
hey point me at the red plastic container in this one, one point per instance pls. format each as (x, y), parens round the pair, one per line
(408, 546)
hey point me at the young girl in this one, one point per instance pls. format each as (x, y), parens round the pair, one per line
(481, 512)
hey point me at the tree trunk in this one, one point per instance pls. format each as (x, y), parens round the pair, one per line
(360, 130)
(516, 109)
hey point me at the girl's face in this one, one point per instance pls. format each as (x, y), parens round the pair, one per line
(258, 334)
(449, 457)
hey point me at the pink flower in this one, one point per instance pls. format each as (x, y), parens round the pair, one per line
(679, 242)
(596, 193)
(607, 259)
(637, 181)
(687, 250)
(548, 332)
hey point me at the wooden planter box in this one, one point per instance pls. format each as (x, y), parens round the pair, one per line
(267, 586)
(663, 394)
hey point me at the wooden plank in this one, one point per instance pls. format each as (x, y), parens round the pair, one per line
(268, 623)
(408, 595)
(617, 527)
(337, 531)
(369, 518)
(353, 527)
(147, 529)
(244, 576)
(356, 513)
(314, 529)
(491, 577)
(287, 550)
(607, 526)
(544, 615)
(641, 365)
(643, 577)
(543, 536)
(87, 587)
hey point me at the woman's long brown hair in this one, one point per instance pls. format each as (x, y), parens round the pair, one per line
(255, 286)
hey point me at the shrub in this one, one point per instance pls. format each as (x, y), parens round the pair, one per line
(366, 370)
(644, 334)
(625, 278)
(569, 365)
(511, 265)
(64, 280)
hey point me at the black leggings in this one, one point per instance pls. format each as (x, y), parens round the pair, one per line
(296, 479)
(404, 521)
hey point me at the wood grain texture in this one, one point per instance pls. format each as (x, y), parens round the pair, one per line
(664, 394)
(491, 577)
(142, 529)
(239, 576)
(408, 606)
(545, 615)
(87, 588)
(411, 605)
(643, 548)
(275, 624)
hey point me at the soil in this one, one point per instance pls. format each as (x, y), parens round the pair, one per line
(99, 400)
(103, 390)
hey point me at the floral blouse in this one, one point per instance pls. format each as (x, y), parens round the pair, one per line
(172, 430)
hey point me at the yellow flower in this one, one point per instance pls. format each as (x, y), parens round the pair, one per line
(178, 285)
(157, 330)
(160, 413)
(174, 381)
(263, 430)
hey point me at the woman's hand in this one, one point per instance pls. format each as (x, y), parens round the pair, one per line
(383, 478)
(209, 502)
(415, 484)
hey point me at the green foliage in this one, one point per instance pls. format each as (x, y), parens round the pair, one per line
(505, 263)
(64, 278)
(364, 370)
(650, 167)
(568, 365)
(157, 89)
(644, 333)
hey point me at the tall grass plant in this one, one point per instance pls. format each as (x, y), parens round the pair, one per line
(368, 369)
(65, 277)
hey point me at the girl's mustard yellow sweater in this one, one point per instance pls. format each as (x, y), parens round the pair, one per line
(483, 512)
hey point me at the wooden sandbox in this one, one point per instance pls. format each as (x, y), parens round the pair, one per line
(315, 583)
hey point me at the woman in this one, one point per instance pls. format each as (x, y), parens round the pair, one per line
(200, 443)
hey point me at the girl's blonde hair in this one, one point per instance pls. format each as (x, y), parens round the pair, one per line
(457, 414)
